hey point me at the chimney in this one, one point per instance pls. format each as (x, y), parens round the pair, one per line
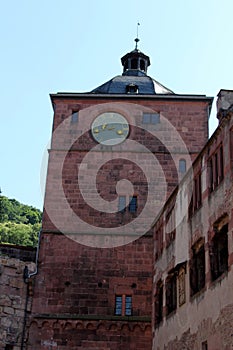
(224, 103)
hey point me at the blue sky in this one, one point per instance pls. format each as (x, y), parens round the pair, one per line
(52, 45)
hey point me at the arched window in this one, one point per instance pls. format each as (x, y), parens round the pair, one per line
(182, 166)
(142, 65)
(134, 63)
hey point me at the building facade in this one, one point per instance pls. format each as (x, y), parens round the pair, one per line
(193, 273)
(117, 154)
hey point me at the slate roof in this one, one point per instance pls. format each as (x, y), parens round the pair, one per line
(146, 85)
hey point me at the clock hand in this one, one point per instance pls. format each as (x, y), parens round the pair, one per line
(104, 126)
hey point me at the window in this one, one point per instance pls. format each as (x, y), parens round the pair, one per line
(151, 118)
(216, 169)
(8, 347)
(171, 294)
(134, 63)
(159, 240)
(133, 204)
(118, 305)
(123, 305)
(219, 252)
(159, 303)
(122, 203)
(181, 286)
(142, 65)
(132, 207)
(197, 268)
(128, 305)
(132, 89)
(170, 225)
(196, 199)
(182, 166)
(74, 117)
(204, 345)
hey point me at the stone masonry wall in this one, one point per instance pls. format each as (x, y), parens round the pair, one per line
(13, 293)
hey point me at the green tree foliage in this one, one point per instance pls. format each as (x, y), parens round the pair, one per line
(19, 223)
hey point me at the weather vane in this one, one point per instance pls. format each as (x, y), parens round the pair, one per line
(137, 40)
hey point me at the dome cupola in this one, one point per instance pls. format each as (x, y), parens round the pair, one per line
(135, 62)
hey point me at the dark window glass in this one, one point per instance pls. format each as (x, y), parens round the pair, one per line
(219, 252)
(197, 270)
(8, 347)
(142, 65)
(204, 345)
(128, 305)
(134, 63)
(159, 303)
(118, 305)
(133, 204)
(171, 294)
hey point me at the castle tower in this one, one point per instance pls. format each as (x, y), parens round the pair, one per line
(116, 154)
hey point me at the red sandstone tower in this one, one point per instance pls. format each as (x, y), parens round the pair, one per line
(116, 154)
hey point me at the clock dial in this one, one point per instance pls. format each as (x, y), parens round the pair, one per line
(110, 128)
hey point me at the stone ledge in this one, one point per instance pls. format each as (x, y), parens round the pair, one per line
(94, 317)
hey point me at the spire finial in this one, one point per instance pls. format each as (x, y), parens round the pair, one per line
(137, 40)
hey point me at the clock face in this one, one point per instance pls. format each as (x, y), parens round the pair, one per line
(110, 128)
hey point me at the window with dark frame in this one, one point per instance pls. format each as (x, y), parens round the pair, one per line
(219, 252)
(171, 293)
(151, 118)
(123, 305)
(159, 303)
(215, 169)
(197, 268)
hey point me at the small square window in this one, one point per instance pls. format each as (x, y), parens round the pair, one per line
(146, 118)
(155, 118)
(151, 118)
